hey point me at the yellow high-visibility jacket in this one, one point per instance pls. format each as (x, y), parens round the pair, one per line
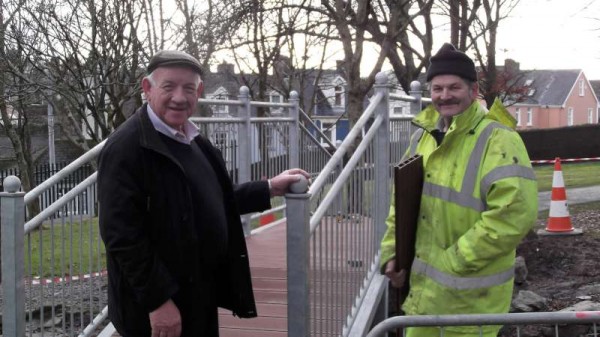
(479, 200)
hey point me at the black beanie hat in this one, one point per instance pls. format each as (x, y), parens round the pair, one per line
(449, 61)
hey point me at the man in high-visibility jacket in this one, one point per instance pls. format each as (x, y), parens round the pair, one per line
(479, 200)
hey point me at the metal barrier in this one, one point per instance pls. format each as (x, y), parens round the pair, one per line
(560, 322)
(333, 283)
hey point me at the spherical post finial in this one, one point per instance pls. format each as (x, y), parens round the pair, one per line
(415, 86)
(381, 78)
(11, 184)
(244, 91)
(300, 186)
(294, 94)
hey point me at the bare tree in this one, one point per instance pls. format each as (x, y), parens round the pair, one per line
(206, 26)
(82, 58)
(474, 26)
(404, 31)
(15, 92)
(351, 20)
(92, 59)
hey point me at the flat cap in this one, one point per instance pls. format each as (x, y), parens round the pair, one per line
(173, 58)
(450, 61)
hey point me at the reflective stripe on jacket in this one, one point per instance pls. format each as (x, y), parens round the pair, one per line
(479, 200)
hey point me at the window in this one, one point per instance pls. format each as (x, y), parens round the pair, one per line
(528, 82)
(329, 130)
(581, 88)
(570, 116)
(220, 94)
(269, 136)
(15, 116)
(531, 92)
(590, 115)
(339, 91)
(518, 116)
(220, 139)
(529, 116)
(275, 98)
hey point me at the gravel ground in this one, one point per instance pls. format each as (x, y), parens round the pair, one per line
(63, 308)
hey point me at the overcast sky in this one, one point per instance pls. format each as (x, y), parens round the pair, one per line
(553, 34)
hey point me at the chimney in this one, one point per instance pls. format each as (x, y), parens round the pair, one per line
(339, 65)
(511, 66)
(225, 68)
(283, 66)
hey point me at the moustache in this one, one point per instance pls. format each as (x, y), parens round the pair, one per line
(448, 102)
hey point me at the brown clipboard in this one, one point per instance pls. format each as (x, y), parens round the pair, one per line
(408, 187)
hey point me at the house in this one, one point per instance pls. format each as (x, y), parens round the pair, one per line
(330, 112)
(554, 98)
(596, 87)
(322, 94)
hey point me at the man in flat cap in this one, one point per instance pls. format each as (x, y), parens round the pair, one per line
(170, 215)
(479, 199)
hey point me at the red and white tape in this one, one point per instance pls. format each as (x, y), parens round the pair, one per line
(551, 161)
(66, 279)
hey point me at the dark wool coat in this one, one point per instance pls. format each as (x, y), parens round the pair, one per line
(146, 222)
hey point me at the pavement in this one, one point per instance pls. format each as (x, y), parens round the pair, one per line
(578, 195)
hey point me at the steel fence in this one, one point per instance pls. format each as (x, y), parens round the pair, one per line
(566, 323)
(332, 264)
(44, 171)
(58, 259)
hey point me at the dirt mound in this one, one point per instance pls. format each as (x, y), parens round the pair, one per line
(559, 265)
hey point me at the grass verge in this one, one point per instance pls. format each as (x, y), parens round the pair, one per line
(62, 249)
(574, 175)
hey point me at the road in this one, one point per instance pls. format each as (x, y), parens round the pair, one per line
(574, 196)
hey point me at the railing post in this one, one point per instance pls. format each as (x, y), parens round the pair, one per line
(12, 214)
(382, 174)
(382, 157)
(245, 146)
(417, 92)
(294, 140)
(298, 233)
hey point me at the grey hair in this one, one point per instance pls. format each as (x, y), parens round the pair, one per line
(150, 78)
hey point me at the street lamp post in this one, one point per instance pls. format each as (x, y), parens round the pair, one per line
(51, 153)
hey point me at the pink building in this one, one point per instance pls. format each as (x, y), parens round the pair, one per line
(555, 98)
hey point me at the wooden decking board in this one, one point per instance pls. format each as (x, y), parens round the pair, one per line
(267, 252)
(267, 323)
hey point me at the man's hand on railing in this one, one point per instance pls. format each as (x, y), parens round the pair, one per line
(280, 184)
(396, 278)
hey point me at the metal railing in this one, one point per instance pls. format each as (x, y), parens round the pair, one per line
(555, 323)
(61, 258)
(332, 262)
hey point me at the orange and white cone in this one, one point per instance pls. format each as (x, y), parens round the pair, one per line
(559, 219)
(266, 219)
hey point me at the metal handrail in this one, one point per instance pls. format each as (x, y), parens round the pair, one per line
(58, 176)
(338, 156)
(572, 317)
(337, 186)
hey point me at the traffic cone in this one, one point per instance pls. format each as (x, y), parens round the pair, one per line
(266, 219)
(559, 220)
